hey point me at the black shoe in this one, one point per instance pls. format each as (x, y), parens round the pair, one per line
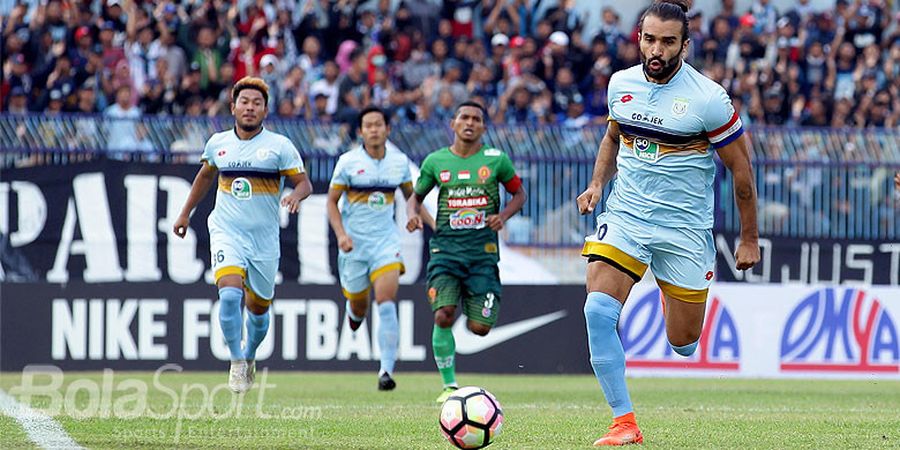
(354, 324)
(386, 383)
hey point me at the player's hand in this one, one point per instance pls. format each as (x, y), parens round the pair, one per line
(181, 226)
(746, 255)
(588, 199)
(291, 202)
(345, 243)
(495, 222)
(414, 223)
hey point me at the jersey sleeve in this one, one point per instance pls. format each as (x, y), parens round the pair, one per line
(722, 123)
(291, 163)
(339, 179)
(208, 156)
(406, 178)
(506, 174)
(426, 177)
(612, 98)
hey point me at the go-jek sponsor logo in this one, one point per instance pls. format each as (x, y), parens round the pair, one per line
(836, 330)
(642, 329)
(467, 218)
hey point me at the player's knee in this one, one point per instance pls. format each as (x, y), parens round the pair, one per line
(685, 343)
(256, 304)
(478, 328)
(444, 317)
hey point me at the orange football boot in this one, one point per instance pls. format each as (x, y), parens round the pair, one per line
(623, 431)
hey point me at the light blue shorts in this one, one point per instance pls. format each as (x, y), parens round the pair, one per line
(359, 268)
(681, 259)
(231, 258)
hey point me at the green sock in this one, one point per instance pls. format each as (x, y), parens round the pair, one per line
(444, 350)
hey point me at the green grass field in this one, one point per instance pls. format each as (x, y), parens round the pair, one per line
(345, 411)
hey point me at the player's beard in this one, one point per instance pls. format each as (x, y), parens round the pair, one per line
(249, 127)
(666, 69)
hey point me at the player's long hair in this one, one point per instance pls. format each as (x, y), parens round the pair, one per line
(669, 10)
(250, 83)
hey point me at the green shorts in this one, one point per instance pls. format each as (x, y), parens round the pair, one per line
(476, 283)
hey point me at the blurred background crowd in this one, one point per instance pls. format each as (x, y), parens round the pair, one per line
(529, 61)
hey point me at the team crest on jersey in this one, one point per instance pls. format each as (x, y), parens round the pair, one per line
(263, 153)
(484, 173)
(241, 189)
(445, 176)
(646, 150)
(377, 201)
(680, 107)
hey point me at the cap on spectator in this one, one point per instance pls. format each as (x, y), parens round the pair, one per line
(170, 8)
(559, 38)
(82, 32)
(17, 91)
(320, 93)
(267, 59)
(694, 13)
(451, 64)
(748, 21)
(516, 42)
(500, 39)
(194, 67)
(112, 3)
(108, 25)
(56, 94)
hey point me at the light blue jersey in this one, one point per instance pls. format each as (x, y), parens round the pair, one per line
(251, 178)
(368, 216)
(368, 210)
(665, 166)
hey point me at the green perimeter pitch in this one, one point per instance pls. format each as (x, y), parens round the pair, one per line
(345, 411)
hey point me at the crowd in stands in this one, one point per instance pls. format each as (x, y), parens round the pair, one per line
(529, 61)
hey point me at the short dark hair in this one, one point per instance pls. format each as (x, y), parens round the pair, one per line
(669, 10)
(473, 104)
(372, 109)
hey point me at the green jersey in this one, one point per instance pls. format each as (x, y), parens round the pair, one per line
(469, 192)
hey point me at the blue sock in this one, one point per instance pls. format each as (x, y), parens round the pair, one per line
(230, 319)
(685, 350)
(257, 327)
(388, 335)
(607, 355)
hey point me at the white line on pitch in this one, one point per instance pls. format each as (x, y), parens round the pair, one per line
(41, 429)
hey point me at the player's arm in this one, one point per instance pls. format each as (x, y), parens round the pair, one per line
(736, 157)
(302, 189)
(204, 180)
(414, 212)
(334, 218)
(427, 219)
(604, 169)
(514, 205)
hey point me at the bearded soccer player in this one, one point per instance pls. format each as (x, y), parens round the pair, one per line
(464, 251)
(250, 164)
(367, 235)
(666, 120)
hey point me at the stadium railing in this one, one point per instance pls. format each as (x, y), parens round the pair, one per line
(812, 182)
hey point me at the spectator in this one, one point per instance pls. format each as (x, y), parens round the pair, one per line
(123, 128)
(353, 89)
(327, 87)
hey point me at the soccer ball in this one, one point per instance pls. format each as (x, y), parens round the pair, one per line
(471, 418)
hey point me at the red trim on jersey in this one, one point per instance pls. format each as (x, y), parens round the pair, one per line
(725, 127)
(513, 184)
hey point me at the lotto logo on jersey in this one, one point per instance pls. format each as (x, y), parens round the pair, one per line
(377, 201)
(241, 189)
(467, 219)
(468, 202)
(643, 333)
(838, 330)
(646, 150)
